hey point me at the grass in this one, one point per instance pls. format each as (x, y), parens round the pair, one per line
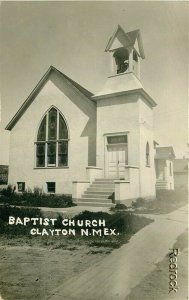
(126, 224)
(122, 222)
(166, 201)
(17, 230)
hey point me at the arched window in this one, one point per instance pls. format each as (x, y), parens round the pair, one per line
(147, 154)
(170, 169)
(52, 141)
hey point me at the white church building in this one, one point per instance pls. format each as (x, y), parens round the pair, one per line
(65, 140)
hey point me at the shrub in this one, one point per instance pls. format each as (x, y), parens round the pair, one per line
(140, 202)
(37, 191)
(166, 201)
(122, 222)
(120, 206)
(6, 211)
(8, 192)
(35, 199)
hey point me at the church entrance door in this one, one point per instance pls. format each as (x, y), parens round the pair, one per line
(117, 156)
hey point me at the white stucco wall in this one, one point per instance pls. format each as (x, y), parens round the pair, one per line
(130, 114)
(80, 115)
(169, 176)
(163, 173)
(147, 173)
(118, 115)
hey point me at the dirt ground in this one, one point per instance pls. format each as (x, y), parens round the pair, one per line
(155, 286)
(30, 272)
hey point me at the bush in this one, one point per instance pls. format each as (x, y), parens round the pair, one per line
(6, 211)
(8, 192)
(165, 202)
(122, 222)
(140, 202)
(35, 199)
(120, 206)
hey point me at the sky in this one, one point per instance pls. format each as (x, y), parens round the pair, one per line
(72, 36)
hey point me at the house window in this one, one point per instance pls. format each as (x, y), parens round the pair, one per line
(52, 141)
(51, 187)
(147, 154)
(21, 186)
(117, 139)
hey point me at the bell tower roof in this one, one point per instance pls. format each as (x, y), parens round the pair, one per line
(125, 51)
(130, 39)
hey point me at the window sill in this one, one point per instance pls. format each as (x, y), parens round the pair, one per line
(50, 168)
(148, 166)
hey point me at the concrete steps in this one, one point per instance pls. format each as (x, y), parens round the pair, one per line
(161, 185)
(98, 194)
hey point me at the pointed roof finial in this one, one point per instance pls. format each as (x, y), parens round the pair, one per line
(128, 39)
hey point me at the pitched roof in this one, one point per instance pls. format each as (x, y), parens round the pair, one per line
(165, 153)
(127, 39)
(181, 165)
(77, 85)
(38, 87)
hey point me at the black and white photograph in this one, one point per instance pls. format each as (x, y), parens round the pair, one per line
(94, 154)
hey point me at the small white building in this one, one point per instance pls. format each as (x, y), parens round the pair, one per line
(164, 168)
(66, 140)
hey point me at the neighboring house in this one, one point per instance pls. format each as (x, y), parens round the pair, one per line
(3, 174)
(63, 137)
(164, 168)
(181, 173)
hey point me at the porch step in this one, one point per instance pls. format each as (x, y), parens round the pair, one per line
(105, 179)
(98, 194)
(100, 189)
(161, 185)
(95, 204)
(94, 200)
(102, 185)
(95, 195)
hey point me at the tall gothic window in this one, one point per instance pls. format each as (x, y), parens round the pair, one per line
(147, 154)
(52, 141)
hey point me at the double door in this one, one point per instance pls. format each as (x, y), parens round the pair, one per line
(116, 161)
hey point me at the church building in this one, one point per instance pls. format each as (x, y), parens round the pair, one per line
(99, 148)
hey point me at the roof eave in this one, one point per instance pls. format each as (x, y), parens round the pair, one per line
(139, 38)
(119, 28)
(141, 48)
(140, 91)
(37, 88)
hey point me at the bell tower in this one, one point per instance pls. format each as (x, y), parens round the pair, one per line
(126, 51)
(125, 148)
